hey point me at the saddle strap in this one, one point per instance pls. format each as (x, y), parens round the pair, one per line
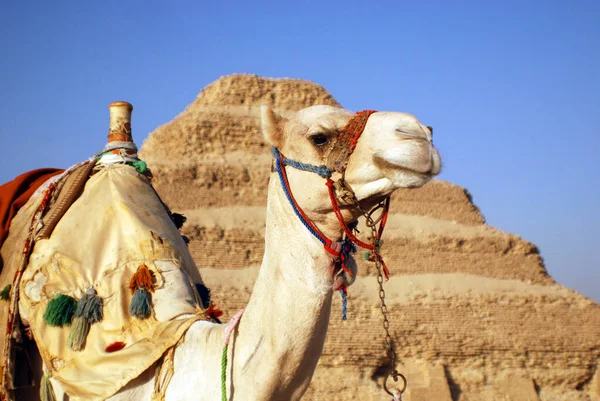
(163, 374)
(70, 191)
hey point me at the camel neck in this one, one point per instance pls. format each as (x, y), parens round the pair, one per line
(284, 326)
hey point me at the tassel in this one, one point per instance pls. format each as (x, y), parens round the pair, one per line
(142, 278)
(89, 311)
(46, 390)
(60, 310)
(80, 328)
(140, 306)
(90, 307)
(116, 346)
(178, 219)
(204, 294)
(140, 166)
(344, 294)
(214, 313)
(141, 285)
(4, 294)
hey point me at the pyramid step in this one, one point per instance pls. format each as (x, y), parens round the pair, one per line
(233, 238)
(455, 319)
(223, 184)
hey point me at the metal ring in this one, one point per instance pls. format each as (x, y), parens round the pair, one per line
(395, 380)
(369, 215)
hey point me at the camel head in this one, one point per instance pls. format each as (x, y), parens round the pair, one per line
(394, 151)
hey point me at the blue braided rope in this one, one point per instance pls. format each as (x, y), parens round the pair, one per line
(344, 304)
(348, 246)
(322, 170)
(290, 199)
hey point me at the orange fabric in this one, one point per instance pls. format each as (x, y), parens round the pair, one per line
(15, 194)
(119, 137)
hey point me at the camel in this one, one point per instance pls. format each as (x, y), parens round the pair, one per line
(274, 350)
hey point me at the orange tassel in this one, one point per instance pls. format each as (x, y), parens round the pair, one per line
(143, 277)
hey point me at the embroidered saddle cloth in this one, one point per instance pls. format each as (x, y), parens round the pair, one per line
(15, 194)
(117, 225)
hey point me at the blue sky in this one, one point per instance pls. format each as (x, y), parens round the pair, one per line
(511, 87)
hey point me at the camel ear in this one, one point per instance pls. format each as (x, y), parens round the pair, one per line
(271, 126)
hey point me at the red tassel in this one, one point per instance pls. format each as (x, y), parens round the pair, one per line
(116, 346)
(214, 312)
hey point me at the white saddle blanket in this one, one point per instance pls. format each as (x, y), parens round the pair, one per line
(116, 225)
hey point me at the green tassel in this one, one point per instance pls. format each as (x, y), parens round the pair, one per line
(46, 390)
(60, 310)
(141, 305)
(4, 294)
(80, 328)
(89, 311)
(367, 255)
(140, 166)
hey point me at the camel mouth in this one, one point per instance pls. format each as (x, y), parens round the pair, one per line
(417, 173)
(422, 172)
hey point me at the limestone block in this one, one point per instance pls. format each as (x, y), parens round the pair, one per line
(426, 382)
(517, 388)
(595, 386)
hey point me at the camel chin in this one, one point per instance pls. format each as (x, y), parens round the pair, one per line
(409, 179)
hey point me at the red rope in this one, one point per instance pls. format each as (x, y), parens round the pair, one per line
(350, 234)
(386, 209)
(338, 214)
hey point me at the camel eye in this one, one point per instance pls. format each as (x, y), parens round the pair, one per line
(319, 139)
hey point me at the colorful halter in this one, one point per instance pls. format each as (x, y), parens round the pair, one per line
(337, 158)
(339, 153)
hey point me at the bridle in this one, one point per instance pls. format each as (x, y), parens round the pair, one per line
(342, 194)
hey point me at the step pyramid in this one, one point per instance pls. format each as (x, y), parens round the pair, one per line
(474, 314)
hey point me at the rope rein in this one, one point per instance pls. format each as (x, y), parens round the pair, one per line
(343, 293)
(235, 320)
